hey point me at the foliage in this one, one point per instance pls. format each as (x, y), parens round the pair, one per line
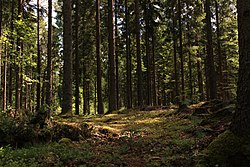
(53, 154)
(227, 150)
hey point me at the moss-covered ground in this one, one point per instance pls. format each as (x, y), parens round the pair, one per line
(162, 137)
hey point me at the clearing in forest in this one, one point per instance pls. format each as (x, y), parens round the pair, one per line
(162, 137)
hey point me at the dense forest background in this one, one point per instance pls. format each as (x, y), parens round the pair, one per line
(116, 54)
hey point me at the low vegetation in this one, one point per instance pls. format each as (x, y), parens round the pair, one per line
(162, 137)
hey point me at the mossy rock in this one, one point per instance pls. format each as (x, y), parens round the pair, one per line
(75, 133)
(227, 150)
(65, 141)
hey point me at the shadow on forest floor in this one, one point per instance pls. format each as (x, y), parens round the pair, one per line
(139, 138)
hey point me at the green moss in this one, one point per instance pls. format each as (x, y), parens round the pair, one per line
(226, 150)
(65, 141)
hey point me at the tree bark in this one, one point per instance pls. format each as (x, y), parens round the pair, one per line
(11, 55)
(111, 57)
(181, 53)
(17, 67)
(154, 86)
(176, 71)
(200, 78)
(77, 59)
(100, 109)
(148, 56)
(128, 59)
(38, 87)
(220, 65)
(67, 57)
(1, 19)
(117, 53)
(210, 56)
(49, 76)
(241, 122)
(5, 82)
(138, 54)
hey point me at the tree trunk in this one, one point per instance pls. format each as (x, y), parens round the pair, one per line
(148, 56)
(100, 109)
(77, 59)
(210, 56)
(67, 57)
(154, 86)
(220, 65)
(111, 57)
(18, 58)
(1, 19)
(11, 55)
(5, 81)
(38, 87)
(128, 60)
(200, 78)
(190, 64)
(241, 122)
(117, 53)
(176, 71)
(181, 53)
(49, 75)
(138, 54)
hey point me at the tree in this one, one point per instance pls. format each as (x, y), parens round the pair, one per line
(210, 57)
(176, 71)
(11, 54)
(220, 66)
(111, 57)
(77, 59)
(1, 19)
(49, 58)
(138, 54)
(128, 59)
(181, 52)
(18, 58)
(117, 54)
(38, 87)
(100, 109)
(148, 55)
(241, 123)
(67, 57)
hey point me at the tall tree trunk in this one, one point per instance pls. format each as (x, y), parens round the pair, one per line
(11, 54)
(38, 87)
(49, 77)
(176, 71)
(100, 109)
(1, 19)
(5, 81)
(190, 64)
(128, 60)
(117, 53)
(210, 56)
(154, 86)
(77, 59)
(181, 53)
(18, 58)
(148, 55)
(138, 54)
(111, 57)
(67, 57)
(200, 78)
(241, 122)
(220, 65)
(85, 87)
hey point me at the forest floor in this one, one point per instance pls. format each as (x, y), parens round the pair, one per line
(160, 137)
